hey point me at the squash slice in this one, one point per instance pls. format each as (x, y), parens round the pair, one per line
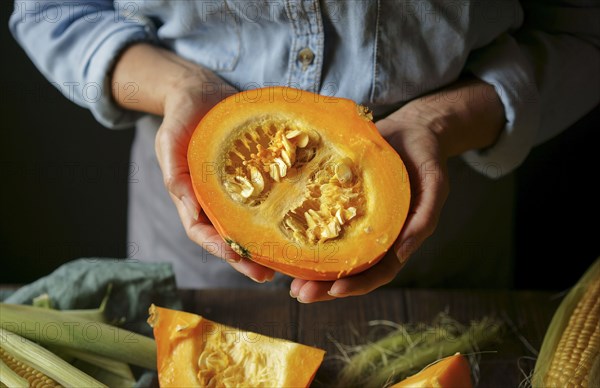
(449, 372)
(193, 351)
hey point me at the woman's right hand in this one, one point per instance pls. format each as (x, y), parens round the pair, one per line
(182, 92)
(425, 132)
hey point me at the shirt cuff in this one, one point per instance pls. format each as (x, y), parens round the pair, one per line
(99, 70)
(503, 65)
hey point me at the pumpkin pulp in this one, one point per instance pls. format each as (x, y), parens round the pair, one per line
(299, 183)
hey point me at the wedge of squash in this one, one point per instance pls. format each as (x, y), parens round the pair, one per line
(298, 182)
(193, 351)
(449, 372)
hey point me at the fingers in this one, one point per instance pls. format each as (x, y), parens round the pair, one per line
(429, 195)
(420, 150)
(309, 291)
(380, 274)
(171, 149)
(172, 156)
(254, 271)
(296, 286)
(172, 140)
(203, 233)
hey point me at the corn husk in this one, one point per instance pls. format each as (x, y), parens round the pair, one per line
(407, 350)
(54, 328)
(110, 372)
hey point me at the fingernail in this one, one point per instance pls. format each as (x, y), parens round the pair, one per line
(265, 279)
(336, 294)
(234, 258)
(300, 300)
(191, 207)
(292, 294)
(256, 280)
(405, 251)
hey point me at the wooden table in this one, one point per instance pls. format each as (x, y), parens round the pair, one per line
(274, 313)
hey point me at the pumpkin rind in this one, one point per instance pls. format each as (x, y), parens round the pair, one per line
(340, 130)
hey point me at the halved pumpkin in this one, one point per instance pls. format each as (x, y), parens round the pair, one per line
(298, 182)
(193, 351)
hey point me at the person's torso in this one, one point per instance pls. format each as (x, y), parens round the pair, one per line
(380, 53)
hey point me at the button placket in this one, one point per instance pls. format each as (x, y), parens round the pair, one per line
(307, 44)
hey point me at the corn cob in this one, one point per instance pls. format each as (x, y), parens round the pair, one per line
(9, 377)
(34, 362)
(570, 353)
(22, 375)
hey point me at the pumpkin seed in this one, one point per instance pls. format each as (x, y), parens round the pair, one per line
(267, 153)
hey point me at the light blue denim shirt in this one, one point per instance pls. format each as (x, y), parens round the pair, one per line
(379, 53)
(542, 57)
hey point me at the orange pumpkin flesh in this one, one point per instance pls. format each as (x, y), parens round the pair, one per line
(450, 372)
(299, 182)
(195, 352)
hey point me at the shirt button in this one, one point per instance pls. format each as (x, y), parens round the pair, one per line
(305, 57)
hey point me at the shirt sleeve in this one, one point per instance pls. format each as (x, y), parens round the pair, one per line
(75, 45)
(546, 75)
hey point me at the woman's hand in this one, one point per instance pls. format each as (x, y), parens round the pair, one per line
(426, 165)
(182, 92)
(425, 132)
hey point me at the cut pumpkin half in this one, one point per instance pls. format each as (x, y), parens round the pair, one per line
(298, 182)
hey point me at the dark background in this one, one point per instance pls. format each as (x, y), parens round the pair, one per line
(64, 192)
(64, 186)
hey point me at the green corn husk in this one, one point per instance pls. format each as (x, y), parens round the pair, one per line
(44, 361)
(407, 350)
(97, 314)
(112, 378)
(108, 371)
(118, 368)
(42, 301)
(104, 376)
(54, 328)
